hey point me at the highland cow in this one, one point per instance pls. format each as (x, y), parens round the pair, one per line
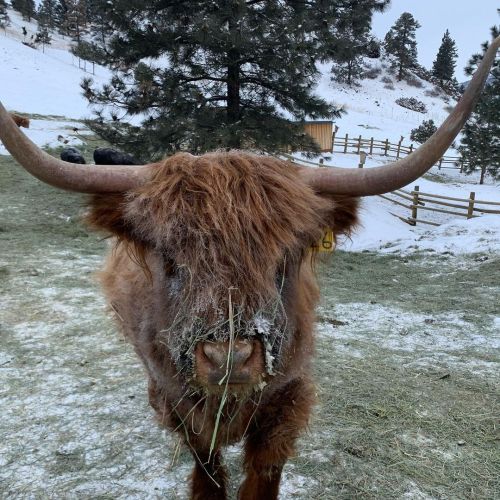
(212, 281)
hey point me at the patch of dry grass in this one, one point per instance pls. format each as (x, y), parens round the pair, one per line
(391, 422)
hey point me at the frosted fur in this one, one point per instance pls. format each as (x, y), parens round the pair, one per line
(223, 224)
(217, 250)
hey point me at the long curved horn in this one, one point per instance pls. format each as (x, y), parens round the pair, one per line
(65, 175)
(378, 180)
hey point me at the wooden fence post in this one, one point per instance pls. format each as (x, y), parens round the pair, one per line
(411, 148)
(399, 148)
(461, 166)
(470, 209)
(359, 144)
(321, 162)
(335, 130)
(414, 206)
(386, 147)
(371, 145)
(440, 163)
(362, 159)
(345, 145)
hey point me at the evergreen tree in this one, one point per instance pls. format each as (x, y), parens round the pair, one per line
(46, 14)
(352, 39)
(92, 10)
(76, 18)
(4, 17)
(61, 15)
(401, 43)
(444, 65)
(423, 131)
(25, 7)
(480, 146)
(42, 36)
(204, 75)
(373, 49)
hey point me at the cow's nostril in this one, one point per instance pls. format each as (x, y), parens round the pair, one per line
(219, 354)
(242, 351)
(215, 353)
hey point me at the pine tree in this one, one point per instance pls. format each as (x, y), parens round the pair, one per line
(25, 7)
(42, 36)
(75, 17)
(444, 65)
(401, 43)
(61, 16)
(4, 17)
(204, 75)
(92, 10)
(423, 131)
(480, 146)
(46, 14)
(352, 39)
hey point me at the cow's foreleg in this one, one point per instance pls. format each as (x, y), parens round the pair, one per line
(272, 437)
(209, 477)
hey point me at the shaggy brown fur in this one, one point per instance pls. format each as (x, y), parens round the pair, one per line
(21, 121)
(209, 234)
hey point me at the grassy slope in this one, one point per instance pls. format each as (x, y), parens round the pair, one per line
(408, 402)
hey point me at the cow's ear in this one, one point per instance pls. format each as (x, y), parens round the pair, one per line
(106, 213)
(343, 216)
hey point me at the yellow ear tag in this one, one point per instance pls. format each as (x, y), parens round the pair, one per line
(327, 243)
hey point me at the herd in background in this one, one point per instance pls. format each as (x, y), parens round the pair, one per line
(102, 156)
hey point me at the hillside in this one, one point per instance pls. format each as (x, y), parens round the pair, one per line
(371, 109)
(46, 86)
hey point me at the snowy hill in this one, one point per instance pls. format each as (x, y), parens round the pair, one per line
(48, 84)
(371, 108)
(42, 83)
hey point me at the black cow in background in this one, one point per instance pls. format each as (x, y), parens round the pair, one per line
(72, 155)
(102, 156)
(109, 156)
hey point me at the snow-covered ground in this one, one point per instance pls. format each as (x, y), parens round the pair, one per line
(380, 230)
(49, 84)
(42, 83)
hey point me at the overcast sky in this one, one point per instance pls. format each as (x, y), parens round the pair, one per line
(469, 22)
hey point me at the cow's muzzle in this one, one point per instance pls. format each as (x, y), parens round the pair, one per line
(237, 363)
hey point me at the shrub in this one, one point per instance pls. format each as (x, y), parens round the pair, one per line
(413, 81)
(386, 79)
(435, 92)
(373, 49)
(389, 86)
(373, 72)
(423, 132)
(412, 103)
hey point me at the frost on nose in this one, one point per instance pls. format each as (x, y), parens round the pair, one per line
(263, 328)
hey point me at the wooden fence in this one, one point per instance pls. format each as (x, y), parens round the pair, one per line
(372, 146)
(417, 200)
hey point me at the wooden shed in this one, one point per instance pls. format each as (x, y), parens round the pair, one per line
(321, 132)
